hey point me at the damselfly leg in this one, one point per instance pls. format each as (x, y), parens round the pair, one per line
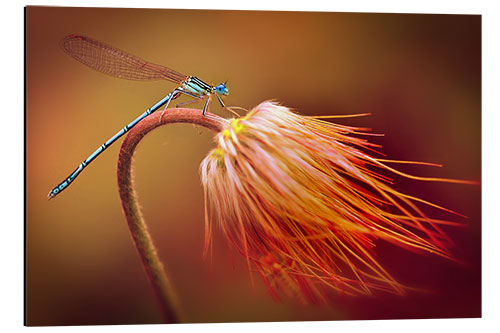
(187, 103)
(207, 103)
(175, 94)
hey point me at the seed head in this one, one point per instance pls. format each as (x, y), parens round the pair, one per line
(302, 200)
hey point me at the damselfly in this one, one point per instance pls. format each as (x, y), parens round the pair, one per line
(114, 62)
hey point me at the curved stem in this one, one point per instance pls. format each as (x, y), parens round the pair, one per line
(142, 239)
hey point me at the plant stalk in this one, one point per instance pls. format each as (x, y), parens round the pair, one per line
(151, 263)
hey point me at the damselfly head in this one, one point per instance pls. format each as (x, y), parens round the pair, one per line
(221, 89)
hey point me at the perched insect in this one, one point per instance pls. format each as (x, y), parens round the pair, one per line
(111, 61)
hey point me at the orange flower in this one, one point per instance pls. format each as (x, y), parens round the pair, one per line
(300, 199)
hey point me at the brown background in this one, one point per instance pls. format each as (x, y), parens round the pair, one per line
(419, 76)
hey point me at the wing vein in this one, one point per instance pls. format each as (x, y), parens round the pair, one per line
(112, 61)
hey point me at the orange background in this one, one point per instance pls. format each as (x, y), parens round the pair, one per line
(419, 76)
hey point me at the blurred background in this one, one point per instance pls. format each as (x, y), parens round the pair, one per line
(419, 76)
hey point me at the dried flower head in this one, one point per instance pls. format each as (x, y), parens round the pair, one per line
(301, 200)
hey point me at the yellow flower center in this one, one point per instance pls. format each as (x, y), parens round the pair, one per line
(236, 126)
(218, 154)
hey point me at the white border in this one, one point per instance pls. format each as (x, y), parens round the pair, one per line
(11, 135)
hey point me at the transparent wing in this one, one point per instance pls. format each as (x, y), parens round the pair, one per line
(109, 60)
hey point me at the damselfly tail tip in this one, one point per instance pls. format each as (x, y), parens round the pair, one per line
(50, 195)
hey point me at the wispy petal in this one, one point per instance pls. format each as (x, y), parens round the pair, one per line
(303, 202)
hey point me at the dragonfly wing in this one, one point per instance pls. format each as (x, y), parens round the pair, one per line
(112, 61)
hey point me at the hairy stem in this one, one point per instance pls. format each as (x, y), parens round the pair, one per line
(138, 229)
